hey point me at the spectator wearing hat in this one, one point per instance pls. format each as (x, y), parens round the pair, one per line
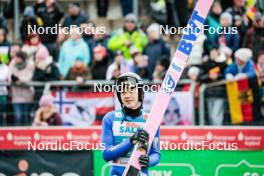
(4, 77)
(73, 49)
(226, 38)
(32, 45)
(22, 70)
(156, 48)
(101, 39)
(29, 20)
(128, 37)
(243, 66)
(46, 70)
(47, 114)
(75, 17)
(100, 63)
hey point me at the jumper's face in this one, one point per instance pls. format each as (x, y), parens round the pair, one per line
(129, 96)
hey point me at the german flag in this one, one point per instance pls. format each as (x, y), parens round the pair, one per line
(244, 100)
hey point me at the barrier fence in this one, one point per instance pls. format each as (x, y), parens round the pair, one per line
(192, 104)
(227, 151)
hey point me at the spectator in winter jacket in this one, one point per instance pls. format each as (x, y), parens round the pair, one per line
(28, 23)
(14, 48)
(4, 78)
(128, 37)
(156, 48)
(72, 50)
(213, 70)
(100, 63)
(48, 15)
(140, 64)
(227, 38)
(22, 96)
(258, 35)
(161, 69)
(47, 114)
(243, 66)
(213, 20)
(32, 45)
(240, 19)
(75, 17)
(46, 70)
(101, 39)
(4, 46)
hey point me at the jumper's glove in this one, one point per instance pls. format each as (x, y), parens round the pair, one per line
(14, 78)
(143, 161)
(141, 136)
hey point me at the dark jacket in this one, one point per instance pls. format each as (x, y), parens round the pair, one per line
(231, 40)
(49, 19)
(212, 66)
(155, 51)
(99, 69)
(75, 20)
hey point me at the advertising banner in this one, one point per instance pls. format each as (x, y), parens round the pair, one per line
(199, 163)
(49, 163)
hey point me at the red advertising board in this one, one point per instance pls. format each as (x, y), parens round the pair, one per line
(24, 138)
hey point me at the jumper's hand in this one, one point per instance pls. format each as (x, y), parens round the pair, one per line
(141, 136)
(143, 161)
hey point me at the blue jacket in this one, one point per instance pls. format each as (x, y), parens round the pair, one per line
(70, 52)
(248, 69)
(118, 148)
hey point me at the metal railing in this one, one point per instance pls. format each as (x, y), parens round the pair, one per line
(43, 88)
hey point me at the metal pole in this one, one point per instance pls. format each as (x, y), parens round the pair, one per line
(135, 7)
(17, 34)
(201, 105)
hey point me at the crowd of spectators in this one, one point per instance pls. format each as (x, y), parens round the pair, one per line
(140, 49)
